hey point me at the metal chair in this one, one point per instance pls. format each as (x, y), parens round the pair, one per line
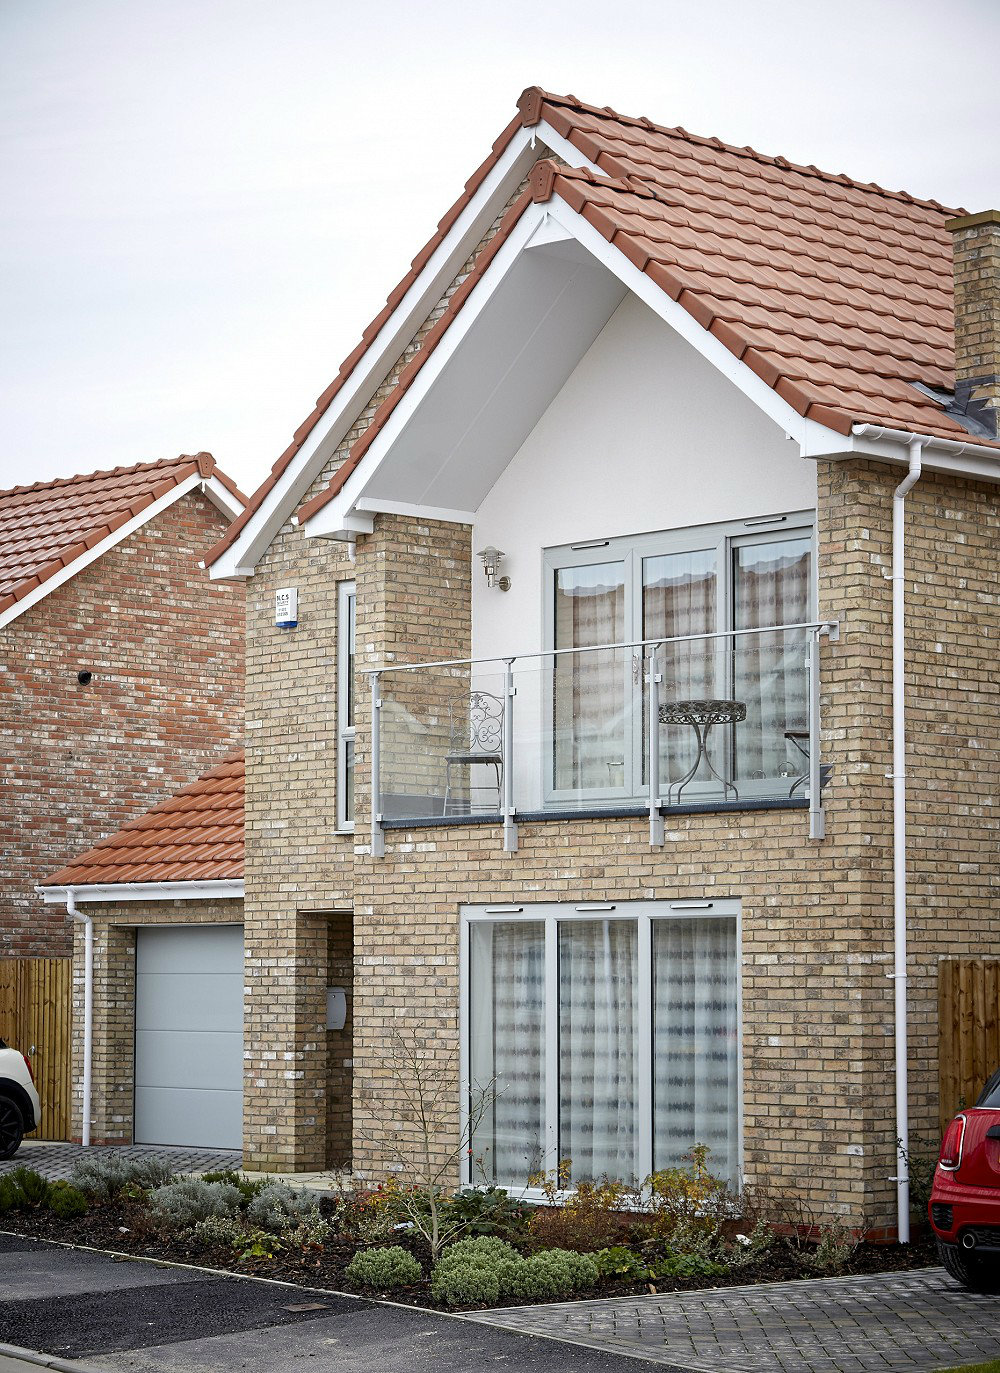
(475, 740)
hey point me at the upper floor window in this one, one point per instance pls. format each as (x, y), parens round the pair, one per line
(346, 637)
(698, 587)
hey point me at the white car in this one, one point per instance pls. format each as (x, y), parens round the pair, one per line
(20, 1109)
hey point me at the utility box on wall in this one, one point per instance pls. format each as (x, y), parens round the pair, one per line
(336, 1008)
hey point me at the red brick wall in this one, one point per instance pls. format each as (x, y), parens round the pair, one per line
(165, 646)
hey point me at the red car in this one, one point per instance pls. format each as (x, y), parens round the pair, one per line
(965, 1199)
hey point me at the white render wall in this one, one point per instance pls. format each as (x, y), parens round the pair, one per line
(645, 435)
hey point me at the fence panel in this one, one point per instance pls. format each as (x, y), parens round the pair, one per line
(969, 1029)
(35, 1009)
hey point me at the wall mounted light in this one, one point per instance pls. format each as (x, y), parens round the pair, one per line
(492, 558)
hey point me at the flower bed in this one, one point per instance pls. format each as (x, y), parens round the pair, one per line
(466, 1251)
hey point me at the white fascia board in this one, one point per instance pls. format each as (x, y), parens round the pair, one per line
(811, 437)
(110, 892)
(331, 520)
(397, 332)
(99, 549)
(221, 497)
(419, 512)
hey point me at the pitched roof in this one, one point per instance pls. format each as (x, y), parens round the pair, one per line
(837, 293)
(354, 357)
(46, 527)
(195, 836)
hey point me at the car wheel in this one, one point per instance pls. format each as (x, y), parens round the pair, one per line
(11, 1127)
(974, 1271)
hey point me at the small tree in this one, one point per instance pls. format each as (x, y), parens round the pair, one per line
(420, 1138)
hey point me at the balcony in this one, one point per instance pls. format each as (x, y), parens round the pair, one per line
(712, 722)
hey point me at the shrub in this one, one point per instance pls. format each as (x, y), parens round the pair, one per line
(10, 1194)
(620, 1262)
(104, 1176)
(65, 1201)
(749, 1248)
(185, 1203)
(248, 1187)
(591, 1218)
(690, 1197)
(477, 1251)
(311, 1232)
(461, 1285)
(384, 1268)
(692, 1264)
(279, 1207)
(369, 1216)
(834, 1251)
(31, 1189)
(231, 1232)
(555, 1273)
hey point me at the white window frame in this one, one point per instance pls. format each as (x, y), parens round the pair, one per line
(346, 595)
(631, 550)
(550, 914)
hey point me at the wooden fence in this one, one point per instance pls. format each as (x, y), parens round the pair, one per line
(35, 1009)
(969, 1029)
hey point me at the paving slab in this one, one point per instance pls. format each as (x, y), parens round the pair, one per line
(887, 1323)
(54, 1159)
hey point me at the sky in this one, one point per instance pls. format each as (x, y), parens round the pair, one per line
(204, 202)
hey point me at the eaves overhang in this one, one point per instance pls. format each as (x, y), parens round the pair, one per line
(316, 441)
(106, 893)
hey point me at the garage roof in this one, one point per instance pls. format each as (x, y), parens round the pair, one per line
(195, 836)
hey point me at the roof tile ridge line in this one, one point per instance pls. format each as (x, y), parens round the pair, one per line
(535, 99)
(104, 472)
(257, 497)
(412, 368)
(627, 185)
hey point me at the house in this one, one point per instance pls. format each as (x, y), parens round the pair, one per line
(588, 615)
(121, 665)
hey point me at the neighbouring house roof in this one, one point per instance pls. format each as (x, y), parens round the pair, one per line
(48, 528)
(838, 294)
(195, 836)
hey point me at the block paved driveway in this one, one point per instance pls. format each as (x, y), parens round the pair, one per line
(55, 1160)
(883, 1324)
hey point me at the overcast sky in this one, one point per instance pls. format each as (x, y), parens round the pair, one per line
(205, 201)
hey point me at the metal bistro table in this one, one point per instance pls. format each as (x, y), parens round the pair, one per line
(701, 716)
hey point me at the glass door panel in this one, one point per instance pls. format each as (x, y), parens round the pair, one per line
(590, 716)
(507, 1047)
(772, 585)
(680, 596)
(696, 1042)
(598, 1061)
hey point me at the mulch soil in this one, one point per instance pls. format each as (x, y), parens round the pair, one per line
(126, 1227)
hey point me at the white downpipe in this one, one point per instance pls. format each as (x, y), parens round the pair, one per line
(899, 836)
(88, 1008)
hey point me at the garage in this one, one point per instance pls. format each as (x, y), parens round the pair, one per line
(189, 1036)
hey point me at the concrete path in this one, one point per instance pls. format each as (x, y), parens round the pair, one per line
(893, 1323)
(55, 1160)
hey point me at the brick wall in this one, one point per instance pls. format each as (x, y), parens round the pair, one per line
(165, 646)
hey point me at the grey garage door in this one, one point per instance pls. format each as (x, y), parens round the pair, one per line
(189, 1036)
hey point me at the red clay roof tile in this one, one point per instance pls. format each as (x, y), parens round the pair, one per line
(47, 526)
(195, 835)
(756, 242)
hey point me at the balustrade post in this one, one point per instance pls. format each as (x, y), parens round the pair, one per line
(653, 679)
(378, 834)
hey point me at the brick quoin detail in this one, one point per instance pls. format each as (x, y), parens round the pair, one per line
(165, 646)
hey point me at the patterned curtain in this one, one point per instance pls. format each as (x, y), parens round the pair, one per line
(588, 688)
(598, 1064)
(771, 587)
(679, 597)
(507, 995)
(695, 1042)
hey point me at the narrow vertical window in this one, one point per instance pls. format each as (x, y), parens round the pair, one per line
(346, 631)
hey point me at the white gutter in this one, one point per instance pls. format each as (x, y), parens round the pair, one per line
(88, 1008)
(229, 889)
(898, 775)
